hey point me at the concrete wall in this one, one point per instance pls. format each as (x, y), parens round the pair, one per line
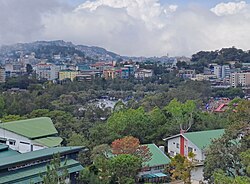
(174, 148)
(22, 144)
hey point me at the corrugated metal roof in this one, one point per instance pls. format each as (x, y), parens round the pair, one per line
(31, 128)
(33, 173)
(202, 139)
(158, 157)
(5, 151)
(49, 141)
(34, 155)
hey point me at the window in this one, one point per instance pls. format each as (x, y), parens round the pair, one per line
(24, 142)
(177, 145)
(12, 142)
(3, 140)
(190, 149)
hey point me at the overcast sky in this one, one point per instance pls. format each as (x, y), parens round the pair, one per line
(130, 27)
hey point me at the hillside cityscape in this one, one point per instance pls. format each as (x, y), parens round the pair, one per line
(124, 92)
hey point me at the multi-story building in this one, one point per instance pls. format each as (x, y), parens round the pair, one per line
(29, 135)
(47, 71)
(222, 72)
(217, 71)
(143, 73)
(2, 75)
(240, 79)
(225, 71)
(32, 167)
(68, 74)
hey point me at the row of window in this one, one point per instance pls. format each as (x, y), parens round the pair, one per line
(189, 148)
(11, 141)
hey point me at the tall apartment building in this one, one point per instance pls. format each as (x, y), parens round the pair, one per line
(222, 72)
(240, 79)
(2, 75)
(47, 71)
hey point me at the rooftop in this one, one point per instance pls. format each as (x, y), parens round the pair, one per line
(157, 158)
(9, 161)
(203, 139)
(31, 128)
(33, 174)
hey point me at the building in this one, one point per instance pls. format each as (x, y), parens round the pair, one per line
(187, 74)
(68, 74)
(29, 135)
(47, 71)
(225, 71)
(153, 169)
(112, 73)
(240, 79)
(222, 72)
(30, 167)
(143, 73)
(2, 75)
(196, 142)
(217, 71)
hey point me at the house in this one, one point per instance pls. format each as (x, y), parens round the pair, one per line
(153, 169)
(196, 142)
(30, 167)
(143, 73)
(47, 71)
(30, 134)
(68, 74)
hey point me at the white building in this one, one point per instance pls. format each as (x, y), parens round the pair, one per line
(2, 75)
(29, 135)
(225, 71)
(196, 142)
(240, 79)
(47, 71)
(143, 73)
(222, 72)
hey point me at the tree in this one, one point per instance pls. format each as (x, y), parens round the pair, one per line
(221, 178)
(131, 145)
(56, 172)
(181, 167)
(182, 113)
(2, 105)
(29, 68)
(227, 152)
(125, 168)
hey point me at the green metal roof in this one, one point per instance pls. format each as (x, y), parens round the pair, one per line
(157, 158)
(34, 155)
(33, 173)
(49, 141)
(202, 139)
(31, 128)
(5, 151)
(3, 147)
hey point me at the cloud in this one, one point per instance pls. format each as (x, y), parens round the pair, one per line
(229, 8)
(128, 27)
(21, 20)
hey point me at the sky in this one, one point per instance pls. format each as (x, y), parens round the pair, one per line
(130, 27)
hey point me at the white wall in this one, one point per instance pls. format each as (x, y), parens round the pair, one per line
(22, 143)
(172, 147)
(197, 174)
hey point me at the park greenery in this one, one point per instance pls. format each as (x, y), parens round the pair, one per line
(148, 111)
